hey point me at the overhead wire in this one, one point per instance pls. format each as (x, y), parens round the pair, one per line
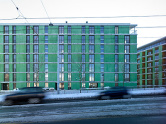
(45, 11)
(146, 16)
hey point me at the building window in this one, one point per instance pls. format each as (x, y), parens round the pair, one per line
(116, 58)
(61, 48)
(102, 29)
(69, 29)
(116, 39)
(116, 29)
(6, 77)
(69, 58)
(46, 57)
(61, 58)
(127, 58)
(91, 58)
(14, 57)
(6, 58)
(69, 48)
(127, 39)
(91, 67)
(83, 39)
(127, 49)
(102, 67)
(116, 67)
(61, 39)
(69, 76)
(156, 63)
(83, 67)
(91, 49)
(102, 48)
(6, 39)
(36, 29)
(102, 78)
(46, 77)
(46, 29)
(46, 67)
(83, 58)
(127, 68)
(46, 48)
(6, 67)
(69, 39)
(69, 67)
(14, 30)
(83, 29)
(101, 58)
(6, 48)
(116, 77)
(61, 76)
(28, 68)
(116, 49)
(28, 57)
(61, 67)
(27, 29)
(91, 39)
(83, 48)
(156, 57)
(91, 77)
(91, 29)
(6, 29)
(101, 39)
(127, 77)
(61, 29)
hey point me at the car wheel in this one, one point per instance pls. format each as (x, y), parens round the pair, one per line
(34, 100)
(105, 97)
(8, 102)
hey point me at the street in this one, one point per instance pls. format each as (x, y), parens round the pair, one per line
(83, 110)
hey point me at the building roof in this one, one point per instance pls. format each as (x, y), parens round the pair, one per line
(121, 24)
(152, 43)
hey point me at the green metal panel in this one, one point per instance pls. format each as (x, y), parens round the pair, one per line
(123, 29)
(97, 29)
(1, 29)
(41, 29)
(53, 30)
(109, 29)
(76, 29)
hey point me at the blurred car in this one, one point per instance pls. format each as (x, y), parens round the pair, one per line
(32, 95)
(115, 92)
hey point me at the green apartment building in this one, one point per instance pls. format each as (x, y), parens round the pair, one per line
(72, 55)
(151, 66)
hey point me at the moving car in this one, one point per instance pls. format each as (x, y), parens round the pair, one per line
(115, 92)
(32, 95)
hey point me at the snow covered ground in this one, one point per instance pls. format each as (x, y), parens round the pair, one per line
(72, 94)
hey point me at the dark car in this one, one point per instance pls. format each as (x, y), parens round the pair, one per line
(115, 92)
(28, 94)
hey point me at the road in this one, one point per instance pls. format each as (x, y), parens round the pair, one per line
(84, 110)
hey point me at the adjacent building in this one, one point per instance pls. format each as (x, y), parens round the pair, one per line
(151, 63)
(79, 55)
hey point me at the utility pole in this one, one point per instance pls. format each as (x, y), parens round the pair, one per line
(58, 66)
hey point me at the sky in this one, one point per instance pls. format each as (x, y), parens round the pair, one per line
(92, 8)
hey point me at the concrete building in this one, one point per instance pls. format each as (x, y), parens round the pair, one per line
(91, 55)
(151, 66)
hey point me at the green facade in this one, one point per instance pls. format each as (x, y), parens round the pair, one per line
(76, 56)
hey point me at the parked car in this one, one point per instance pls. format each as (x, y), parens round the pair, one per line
(32, 95)
(115, 92)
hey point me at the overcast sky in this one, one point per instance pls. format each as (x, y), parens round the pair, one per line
(92, 8)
